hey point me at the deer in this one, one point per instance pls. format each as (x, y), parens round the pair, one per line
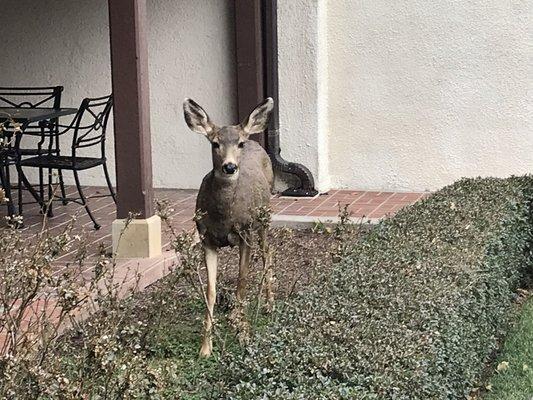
(241, 180)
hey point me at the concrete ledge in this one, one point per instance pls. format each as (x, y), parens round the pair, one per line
(307, 222)
(141, 238)
(279, 196)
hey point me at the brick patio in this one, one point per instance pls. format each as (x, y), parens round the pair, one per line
(361, 204)
(371, 206)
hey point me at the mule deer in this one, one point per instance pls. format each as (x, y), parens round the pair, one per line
(240, 181)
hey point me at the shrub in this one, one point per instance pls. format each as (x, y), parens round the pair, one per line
(131, 345)
(47, 349)
(411, 311)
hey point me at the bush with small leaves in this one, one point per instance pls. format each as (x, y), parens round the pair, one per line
(411, 311)
(48, 350)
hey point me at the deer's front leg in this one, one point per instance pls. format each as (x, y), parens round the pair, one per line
(244, 269)
(211, 265)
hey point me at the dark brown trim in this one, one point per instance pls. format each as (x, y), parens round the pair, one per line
(249, 57)
(256, 48)
(129, 61)
(306, 186)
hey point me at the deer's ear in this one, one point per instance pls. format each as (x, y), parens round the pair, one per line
(196, 118)
(257, 121)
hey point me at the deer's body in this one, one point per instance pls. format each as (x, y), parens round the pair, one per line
(228, 204)
(239, 183)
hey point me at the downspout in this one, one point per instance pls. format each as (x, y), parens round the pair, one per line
(306, 187)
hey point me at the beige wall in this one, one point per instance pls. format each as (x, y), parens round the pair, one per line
(303, 63)
(424, 92)
(375, 94)
(191, 43)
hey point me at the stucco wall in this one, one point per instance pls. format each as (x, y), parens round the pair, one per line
(424, 92)
(374, 94)
(303, 63)
(50, 42)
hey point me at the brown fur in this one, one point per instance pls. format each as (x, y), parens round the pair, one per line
(227, 200)
(228, 204)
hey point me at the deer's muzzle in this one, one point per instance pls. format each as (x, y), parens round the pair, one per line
(229, 168)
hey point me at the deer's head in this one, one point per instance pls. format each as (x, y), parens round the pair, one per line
(227, 142)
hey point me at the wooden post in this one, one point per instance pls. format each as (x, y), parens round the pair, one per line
(129, 63)
(133, 153)
(249, 55)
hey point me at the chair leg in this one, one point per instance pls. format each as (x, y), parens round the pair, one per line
(41, 183)
(108, 180)
(84, 200)
(62, 186)
(30, 188)
(50, 211)
(20, 197)
(6, 185)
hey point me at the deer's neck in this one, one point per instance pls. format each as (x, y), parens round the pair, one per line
(222, 184)
(223, 191)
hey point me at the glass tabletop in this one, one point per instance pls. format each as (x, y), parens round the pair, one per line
(28, 115)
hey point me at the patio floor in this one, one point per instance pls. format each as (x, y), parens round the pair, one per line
(363, 205)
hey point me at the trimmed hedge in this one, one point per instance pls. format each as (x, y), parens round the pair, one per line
(413, 311)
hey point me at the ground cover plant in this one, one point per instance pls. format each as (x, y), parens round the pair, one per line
(411, 309)
(134, 345)
(513, 369)
(296, 258)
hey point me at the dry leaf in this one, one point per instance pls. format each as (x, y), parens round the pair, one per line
(502, 366)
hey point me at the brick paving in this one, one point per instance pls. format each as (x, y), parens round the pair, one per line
(372, 205)
(361, 204)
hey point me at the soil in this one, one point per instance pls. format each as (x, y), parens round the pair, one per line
(296, 256)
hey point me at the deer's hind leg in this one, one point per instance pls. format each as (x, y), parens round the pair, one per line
(244, 269)
(211, 260)
(237, 316)
(266, 255)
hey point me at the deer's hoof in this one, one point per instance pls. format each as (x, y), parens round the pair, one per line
(206, 349)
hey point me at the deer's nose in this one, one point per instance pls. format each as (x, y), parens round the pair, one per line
(229, 168)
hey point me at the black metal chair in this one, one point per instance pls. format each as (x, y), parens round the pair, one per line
(34, 97)
(89, 128)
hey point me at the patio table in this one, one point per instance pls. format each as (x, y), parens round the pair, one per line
(26, 116)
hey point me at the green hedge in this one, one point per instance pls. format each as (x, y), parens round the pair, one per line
(412, 312)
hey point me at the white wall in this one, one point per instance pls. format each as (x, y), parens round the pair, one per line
(303, 63)
(192, 55)
(53, 42)
(50, 42)
(424, 92)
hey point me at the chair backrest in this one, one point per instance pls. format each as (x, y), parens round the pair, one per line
(90, 123)
(31, 97)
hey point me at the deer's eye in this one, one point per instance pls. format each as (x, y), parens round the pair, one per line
(241, 145)
(215, 145)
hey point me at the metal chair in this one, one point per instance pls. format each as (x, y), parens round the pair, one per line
(89, 128)
(34, 97)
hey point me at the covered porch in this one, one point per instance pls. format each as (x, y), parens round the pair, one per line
(255, 59)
